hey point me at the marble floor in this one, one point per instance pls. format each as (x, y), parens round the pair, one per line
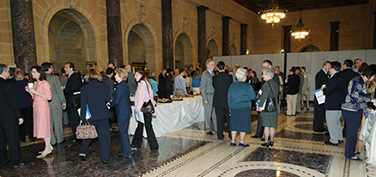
(298, 151)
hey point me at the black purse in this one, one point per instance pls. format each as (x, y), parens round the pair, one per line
(270, 103)
(76, 100)
(148, 107)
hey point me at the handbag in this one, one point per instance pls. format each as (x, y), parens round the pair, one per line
(148, 107)
(86, 131)
(76, 100)
(270, 103)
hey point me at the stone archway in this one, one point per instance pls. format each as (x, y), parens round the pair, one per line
(212, 49)
(233, 50)
(141, 46)
(71, 38)
(183, 51)
(310, 48)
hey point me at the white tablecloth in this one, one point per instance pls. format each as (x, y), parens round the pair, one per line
(368, 136)
(172, 116)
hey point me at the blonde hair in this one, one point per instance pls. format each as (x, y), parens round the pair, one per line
(93, 74)
(19, 75)
(122, 73)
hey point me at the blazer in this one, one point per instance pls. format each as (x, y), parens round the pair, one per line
(270, 89)
(121, 100)
(95, 95)
(240, 95)
(131, 81)
(221, 84)
(293, 83)
(57, 94)
(206, 85)
(320, 79)
(9, 109)
(334, 94)
(109, 83)
(73, 85)
(162, 82)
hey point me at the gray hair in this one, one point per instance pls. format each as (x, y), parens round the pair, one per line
(3, 68)
(268, 71)
(240, 73)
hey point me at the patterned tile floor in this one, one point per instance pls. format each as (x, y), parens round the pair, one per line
(298, 151)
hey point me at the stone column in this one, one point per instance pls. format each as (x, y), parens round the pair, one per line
(114, 37)
(225, 35)
(201, 36)
(23, 34)
(334, 35)
(243, 38)
(287, 38)
(167, 38)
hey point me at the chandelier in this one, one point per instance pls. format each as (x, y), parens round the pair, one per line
(274, 14)
(300, 32)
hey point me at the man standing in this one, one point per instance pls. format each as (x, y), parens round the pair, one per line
(298, 98)
(221, 83)
(207, 91)
(131, 81)
(321, 78)
(110, 86)
(334, 95)
(357, 63)
(10, 118)
(73, 85)
(179, 84)
(162, 87)
(57, 104)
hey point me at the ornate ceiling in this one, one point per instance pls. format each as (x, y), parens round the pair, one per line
(296, 5)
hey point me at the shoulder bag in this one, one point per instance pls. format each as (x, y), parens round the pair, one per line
(148, 107)
(270, 102)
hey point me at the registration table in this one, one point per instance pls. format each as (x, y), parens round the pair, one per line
(368, 136)
(172, 116)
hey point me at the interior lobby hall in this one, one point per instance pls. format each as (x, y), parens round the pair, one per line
(298, 151)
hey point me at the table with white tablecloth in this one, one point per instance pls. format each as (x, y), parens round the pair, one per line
(172, 116)
(368, 136)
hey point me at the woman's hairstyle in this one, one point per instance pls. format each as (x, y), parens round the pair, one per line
(93, 74)
(41, 72)
(254, 72)
(122, 73)
(240, 73)
(362, 67)
(19, 75)
(143, 76)
(197, 73)
(268, 71)
(369, 71)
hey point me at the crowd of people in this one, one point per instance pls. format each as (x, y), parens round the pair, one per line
(34, 106)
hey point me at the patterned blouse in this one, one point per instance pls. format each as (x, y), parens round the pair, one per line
(357, 95)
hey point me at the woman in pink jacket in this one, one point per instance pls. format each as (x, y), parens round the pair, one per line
(144, 94)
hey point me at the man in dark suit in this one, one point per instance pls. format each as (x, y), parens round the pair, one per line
(110, 84)
(221, 84)
(348, 74)
(321, 78)
(162, 87)
(10, 118)
(131, 81)
(73, 85)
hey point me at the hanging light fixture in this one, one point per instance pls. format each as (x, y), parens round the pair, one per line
(300, 32)
(274, 14)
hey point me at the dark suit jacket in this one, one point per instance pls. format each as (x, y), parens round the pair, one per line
(221, 84)
(162, 82)
(293, 82)
(73, 85)
(95, 95)
(334, 92)
(9, 109)
(121, 101)
(131, 81)
(320, 79)
(110, 85)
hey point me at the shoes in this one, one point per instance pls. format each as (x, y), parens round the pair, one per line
(210, 133)
(20, 164)
(243, 145)
(82, 156)
(233, 144)
(105, 161)
(220, 138)
(52, 148)
(271, 143)
(255, 136)
(262, 139)
(355, 158)
(44, 155)
(330, 143)
(134, 148)
(307, 109)
(340, 141)
(265, 145)
(154, 149)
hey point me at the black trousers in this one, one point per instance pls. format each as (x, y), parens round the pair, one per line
(318, 116)
(137, 138)
(27, 127)
(9, 133)
(73, 117)
(103, 136)
(222, 115)
(260, 129)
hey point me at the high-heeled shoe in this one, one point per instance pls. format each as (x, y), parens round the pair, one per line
(265, 144)
(271, 143)
(82, 156)
(40, 152)
(44, 155)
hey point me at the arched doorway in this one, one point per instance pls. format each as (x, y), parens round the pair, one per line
(211, 49)
(141, 48)
(233, 50)
(183, 51)
(71, 38)
(310, 48)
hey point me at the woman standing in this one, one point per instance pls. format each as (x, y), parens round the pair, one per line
(123, 110)
(95, 95)
(240, 95)
(196, 81)
(144, 94)
(305, 87)
(352, 109)
(41, 92)
(269, 119)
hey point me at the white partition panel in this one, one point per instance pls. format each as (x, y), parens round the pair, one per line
(257, 64)
(358, 54)
(305, 60)
(237, 60)
(247, 60)
(331, 55)
(371, 56)
(317, 59)
(278, 60)
(343, 55)
(292, 60)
